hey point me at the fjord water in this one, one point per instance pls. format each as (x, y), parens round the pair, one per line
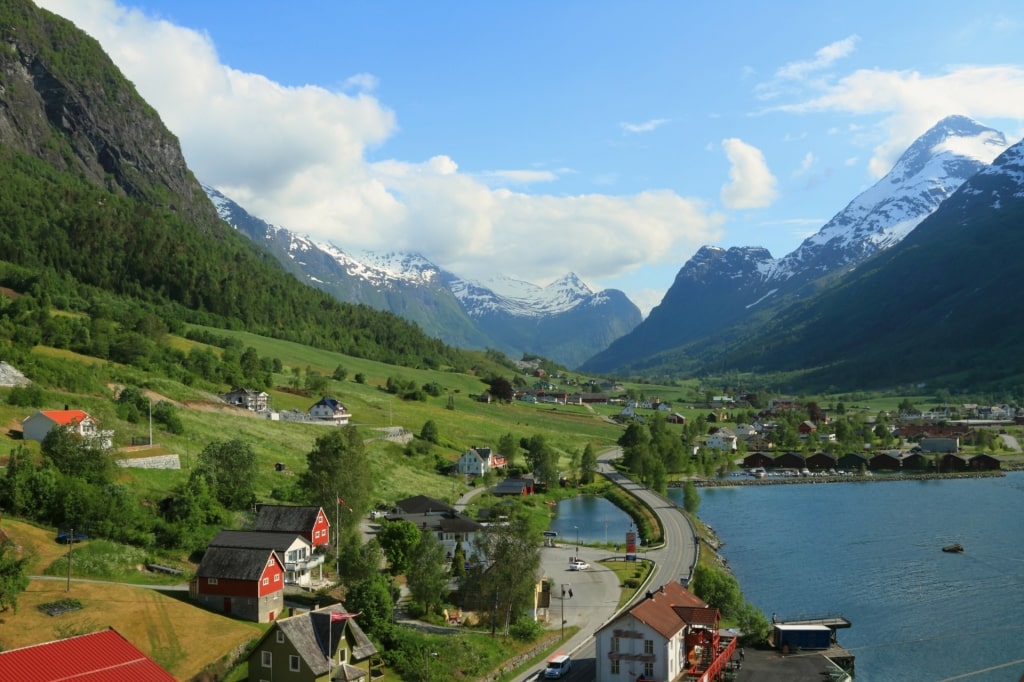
(872, 552)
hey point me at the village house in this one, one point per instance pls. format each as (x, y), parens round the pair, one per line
(247, 583)
(295, 552)
(519, 486)
(308, 522)
(331, 411)
(102, 655)
(723, 439)
(37, 426)
(450, 527)
(480, 461)
(670, 635)
(324, 645)
(248, 399)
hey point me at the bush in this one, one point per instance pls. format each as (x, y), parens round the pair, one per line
(526, 630)
(632, 583)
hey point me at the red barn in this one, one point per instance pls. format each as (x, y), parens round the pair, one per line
(248, 583)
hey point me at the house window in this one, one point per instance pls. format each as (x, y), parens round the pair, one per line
(277, 577)
(648, 646)
(615, 666)
(293, 663)
(267, 659)
(615, 645)
(649, 669)
(266, 581)
(211, 581)
(280, 637)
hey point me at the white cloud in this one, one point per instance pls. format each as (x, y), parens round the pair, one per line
(805, 164)
(645, 127)
(911, 102)
(823, 58)
(296, 157)
(751, 184)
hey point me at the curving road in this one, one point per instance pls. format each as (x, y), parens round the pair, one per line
(596, 592)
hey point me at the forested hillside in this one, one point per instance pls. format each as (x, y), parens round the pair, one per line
(96, 193)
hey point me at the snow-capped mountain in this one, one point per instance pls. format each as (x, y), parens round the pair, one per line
(720, 288)
(564, 321)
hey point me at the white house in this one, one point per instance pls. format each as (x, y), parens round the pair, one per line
(723, 439)
(256, 401)
(330, 410)
(37, 426)
(479, 461)
(671, 635)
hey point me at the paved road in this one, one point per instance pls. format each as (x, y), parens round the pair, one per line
(596, 592)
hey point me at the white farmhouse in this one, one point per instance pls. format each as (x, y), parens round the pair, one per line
(37, 426)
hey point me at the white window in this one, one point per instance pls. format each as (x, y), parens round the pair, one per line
(615, 666)
(211, 581)
(648, 646)
(277, 577)
(615, 644)
(267, 659)
(280, 637)
(266, 581)
(293, 663)
(649, 669)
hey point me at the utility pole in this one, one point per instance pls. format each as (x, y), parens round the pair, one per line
(494, 615)
(71, 544)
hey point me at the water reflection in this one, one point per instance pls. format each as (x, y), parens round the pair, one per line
(593, 519)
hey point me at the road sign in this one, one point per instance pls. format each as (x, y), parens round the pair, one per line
(550, 534)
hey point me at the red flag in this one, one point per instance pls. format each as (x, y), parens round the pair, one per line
(338, 615)
(342, 503)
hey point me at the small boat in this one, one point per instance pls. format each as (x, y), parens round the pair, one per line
(955, 548)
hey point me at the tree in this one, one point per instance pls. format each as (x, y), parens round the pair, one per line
(337, 467)
(588, 465)
(358, 560)
(76, 456)
(13, 575)
(691, 498)
(505, 578)
(398, 539)
(507, 448)
(718, 588)
(371, 598)
(429, 432)
(339, 373)
(501, 388)
(229, 468)
(542, 459)
(427, 579)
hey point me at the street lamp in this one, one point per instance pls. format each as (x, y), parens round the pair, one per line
(577, 541)
(426, 663)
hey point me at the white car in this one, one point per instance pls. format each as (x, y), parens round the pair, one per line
(578, 565)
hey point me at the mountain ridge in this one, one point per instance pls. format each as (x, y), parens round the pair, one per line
(722, 288)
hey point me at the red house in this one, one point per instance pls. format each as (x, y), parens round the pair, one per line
(248, 583)
(103, 655)
(309, 522)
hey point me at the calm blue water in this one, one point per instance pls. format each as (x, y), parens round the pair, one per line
(871, 552)
(593, 516)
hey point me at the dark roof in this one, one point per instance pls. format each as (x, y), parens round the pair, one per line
(281, 518)
(448, 522)
(421, 504)
(103, 656)
(233, 563)
(310, 632)
(252, 539)
(332, 403)
(512, 486)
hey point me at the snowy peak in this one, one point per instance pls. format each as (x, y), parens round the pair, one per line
(523, 299)
(932, 168)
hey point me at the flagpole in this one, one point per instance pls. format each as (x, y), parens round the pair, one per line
(337, 536)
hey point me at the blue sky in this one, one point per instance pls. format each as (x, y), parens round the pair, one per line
(536, 138)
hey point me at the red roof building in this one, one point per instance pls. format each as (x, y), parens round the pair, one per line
(103, 656)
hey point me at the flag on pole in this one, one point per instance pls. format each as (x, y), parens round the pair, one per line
(338, 615)
(342, 503)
